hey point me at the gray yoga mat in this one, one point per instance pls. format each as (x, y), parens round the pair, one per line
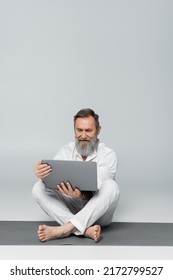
(117, 234)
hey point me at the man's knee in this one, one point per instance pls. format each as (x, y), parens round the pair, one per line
(37, 190)
(111, 188)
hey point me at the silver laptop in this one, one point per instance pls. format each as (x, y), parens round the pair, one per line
(81, 174)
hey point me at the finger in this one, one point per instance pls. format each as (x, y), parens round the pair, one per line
(42, 166)
(45, 172)
(77, 193)
(58, 188)
(69, 187)
(42, 176)
(43, 169)
(41, 173)
(64, 188)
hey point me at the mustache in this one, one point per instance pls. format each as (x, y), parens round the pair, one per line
(84, 140)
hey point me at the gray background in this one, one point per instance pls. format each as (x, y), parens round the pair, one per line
(57, 57)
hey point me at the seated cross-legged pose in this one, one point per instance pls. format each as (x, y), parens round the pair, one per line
(79, 212)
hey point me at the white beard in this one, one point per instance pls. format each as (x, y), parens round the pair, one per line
(88, 149)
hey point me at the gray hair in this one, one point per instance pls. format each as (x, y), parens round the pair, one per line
(84, 113)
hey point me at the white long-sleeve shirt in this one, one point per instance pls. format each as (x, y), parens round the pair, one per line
(105, 157)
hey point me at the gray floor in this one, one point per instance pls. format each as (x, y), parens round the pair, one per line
(117, 234)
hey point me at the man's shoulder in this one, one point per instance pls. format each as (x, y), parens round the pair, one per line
(68, 147)
(102, 147)
(65, 151)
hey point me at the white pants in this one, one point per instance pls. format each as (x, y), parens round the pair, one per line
(82, 214)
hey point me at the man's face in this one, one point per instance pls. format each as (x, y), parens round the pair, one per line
(86, 135)
(85, 129)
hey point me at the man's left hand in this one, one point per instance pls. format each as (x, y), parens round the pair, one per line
(68, 190)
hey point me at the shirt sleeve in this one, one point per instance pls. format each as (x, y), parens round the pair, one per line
(60, 155)
(106, 166)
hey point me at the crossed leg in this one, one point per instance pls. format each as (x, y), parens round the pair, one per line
(60, 209)
(46, 233)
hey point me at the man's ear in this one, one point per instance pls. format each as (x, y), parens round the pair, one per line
(98, 130)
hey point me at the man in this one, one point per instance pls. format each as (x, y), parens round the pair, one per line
(76, 212)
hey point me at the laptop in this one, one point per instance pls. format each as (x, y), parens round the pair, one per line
(81, 174)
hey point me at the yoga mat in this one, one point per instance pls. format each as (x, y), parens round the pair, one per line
(116, 234)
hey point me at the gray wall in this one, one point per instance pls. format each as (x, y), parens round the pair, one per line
(114, 56)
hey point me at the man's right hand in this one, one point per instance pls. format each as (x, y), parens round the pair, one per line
(42, 170)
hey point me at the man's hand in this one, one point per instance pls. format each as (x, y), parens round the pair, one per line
(42, 170)
(68, 190)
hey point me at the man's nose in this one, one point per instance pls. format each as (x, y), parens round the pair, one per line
(84, 135)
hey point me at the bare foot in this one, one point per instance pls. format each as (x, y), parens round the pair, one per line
(93, 232)
(46, 233)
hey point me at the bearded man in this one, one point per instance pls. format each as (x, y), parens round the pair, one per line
(76, 212)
